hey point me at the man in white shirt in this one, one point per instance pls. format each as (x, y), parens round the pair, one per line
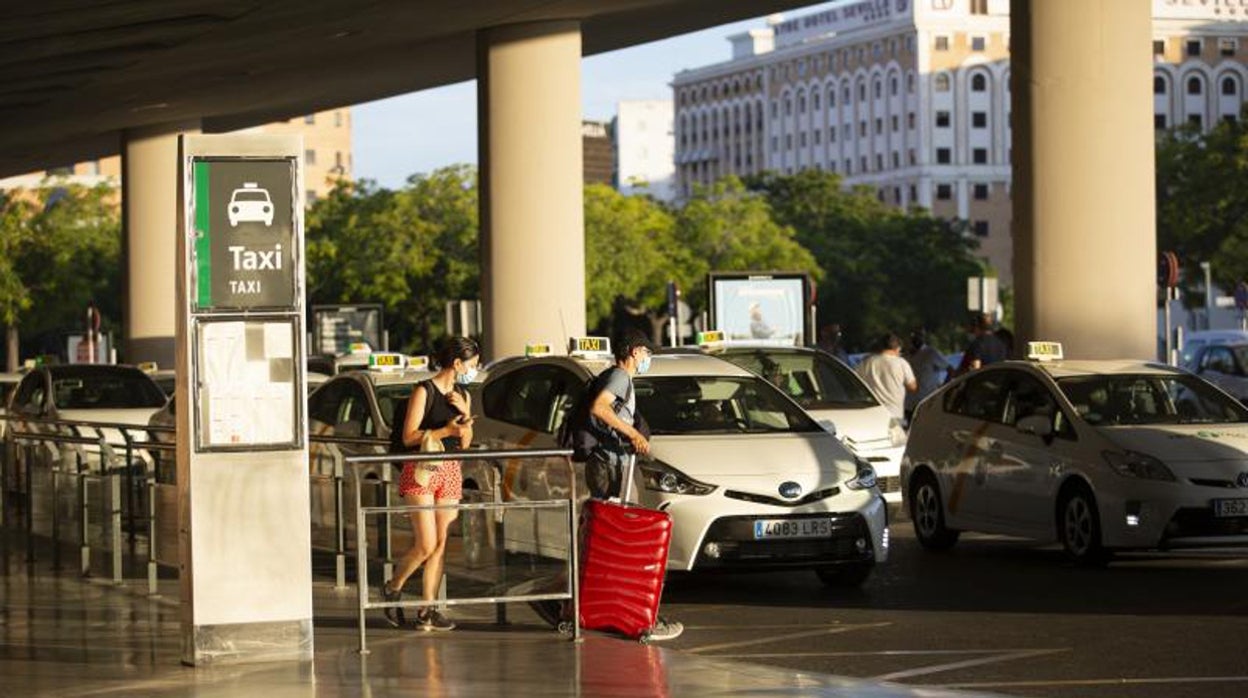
(889, 375)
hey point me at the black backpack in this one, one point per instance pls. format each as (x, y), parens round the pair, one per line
(579, 430)
(399, 416)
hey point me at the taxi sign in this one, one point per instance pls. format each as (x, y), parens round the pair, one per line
(386, 361)
(148, 366)
(418, 363)
(711, 337)
(582, 346)
(1044, 351)
(359, 348)
(537, 350)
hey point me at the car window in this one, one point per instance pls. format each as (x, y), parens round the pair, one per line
(814, 380)
(354, 417)
(1029, 397)
(323, 405)
(531, 397)
(717, 404)
(105, 389)
(1125, 399)
(30, 393)
(388, 396)
(1218, 359)
(982, 396)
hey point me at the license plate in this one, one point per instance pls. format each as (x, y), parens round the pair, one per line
(1230, 507)
(792, 528)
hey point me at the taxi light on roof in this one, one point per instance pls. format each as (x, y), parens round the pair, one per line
(386, 361)
(589, 346)
(1044, 351)
(711, 337)
(537, 350)
(148, 366)
(418, 363)
(359, 348)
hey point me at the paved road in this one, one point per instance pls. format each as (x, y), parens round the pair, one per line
(994, 614)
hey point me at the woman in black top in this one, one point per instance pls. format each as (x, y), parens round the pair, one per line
(448, 418)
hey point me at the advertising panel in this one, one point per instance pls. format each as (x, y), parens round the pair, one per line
(769, 308)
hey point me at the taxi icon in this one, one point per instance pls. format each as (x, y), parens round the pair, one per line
(250, 204)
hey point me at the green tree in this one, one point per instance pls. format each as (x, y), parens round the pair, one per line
(886, 269)
(1202, 205)
(630, 252)
(60, 249)
(411, 250)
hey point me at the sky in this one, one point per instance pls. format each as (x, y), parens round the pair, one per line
(422, 131)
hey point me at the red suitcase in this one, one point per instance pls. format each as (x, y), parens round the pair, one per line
(623, 563)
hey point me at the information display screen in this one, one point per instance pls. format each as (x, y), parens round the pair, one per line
(761, 308)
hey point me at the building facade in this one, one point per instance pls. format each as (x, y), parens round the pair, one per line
(645, 148)
(327, 156)
(598, 153)
(912, 99)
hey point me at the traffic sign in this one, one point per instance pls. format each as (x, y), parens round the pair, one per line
(1168, 270)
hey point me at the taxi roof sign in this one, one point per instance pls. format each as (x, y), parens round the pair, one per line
(589, 346)
(386, 361)
(148, 366)
(537, 349)
(1044, 351)
(711, 337)
(418, 363)
(359, 348)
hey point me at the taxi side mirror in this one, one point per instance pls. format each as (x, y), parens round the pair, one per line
(1036, 425)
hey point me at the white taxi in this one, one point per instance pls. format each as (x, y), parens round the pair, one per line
(833, 394)
(750, 480)
(1097, 455)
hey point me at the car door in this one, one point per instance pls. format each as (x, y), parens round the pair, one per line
(1023, 474)
(523, 409)
(975, 412)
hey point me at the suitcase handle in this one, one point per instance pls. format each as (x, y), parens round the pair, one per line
(626, 482)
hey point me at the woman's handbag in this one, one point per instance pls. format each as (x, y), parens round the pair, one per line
(426, 469)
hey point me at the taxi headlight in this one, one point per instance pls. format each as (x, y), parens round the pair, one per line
(865, 479)
(896, 432)
(1141, 465)
(661, 477)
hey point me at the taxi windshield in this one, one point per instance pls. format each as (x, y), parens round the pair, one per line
(1118, 400)
(675, 405)
(257, 195)
(99, 390)
(813, 380)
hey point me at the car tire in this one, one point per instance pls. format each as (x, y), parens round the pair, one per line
(927, 515)
(1079, 527)
(846, 576)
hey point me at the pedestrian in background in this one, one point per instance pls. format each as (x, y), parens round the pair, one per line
(985, 347)
(830, 340)
(930, 367)
(889, 375)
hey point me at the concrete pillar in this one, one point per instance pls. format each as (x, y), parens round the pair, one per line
(1084, 218)
(532, 216)
(149, 182)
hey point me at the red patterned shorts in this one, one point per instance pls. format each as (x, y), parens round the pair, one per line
(447, 481)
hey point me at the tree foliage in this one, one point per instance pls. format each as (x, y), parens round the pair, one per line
(60, 249)
(1202, 203)
(885, 269)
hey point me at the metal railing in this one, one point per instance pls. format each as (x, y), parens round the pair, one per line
(362, 512)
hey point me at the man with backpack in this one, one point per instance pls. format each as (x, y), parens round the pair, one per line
(606, 432)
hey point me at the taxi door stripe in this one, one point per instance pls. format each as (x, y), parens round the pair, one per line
(959, 479)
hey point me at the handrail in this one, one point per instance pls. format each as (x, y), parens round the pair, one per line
(361, 512)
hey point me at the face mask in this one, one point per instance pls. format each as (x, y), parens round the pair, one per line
(466, 377)
(643, 365)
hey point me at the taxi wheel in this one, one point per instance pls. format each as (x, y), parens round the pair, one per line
(846, 576)
(1079, 528)
(928, 516)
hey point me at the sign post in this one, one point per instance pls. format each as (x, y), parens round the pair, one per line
(244, 538)
(1168, 279)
